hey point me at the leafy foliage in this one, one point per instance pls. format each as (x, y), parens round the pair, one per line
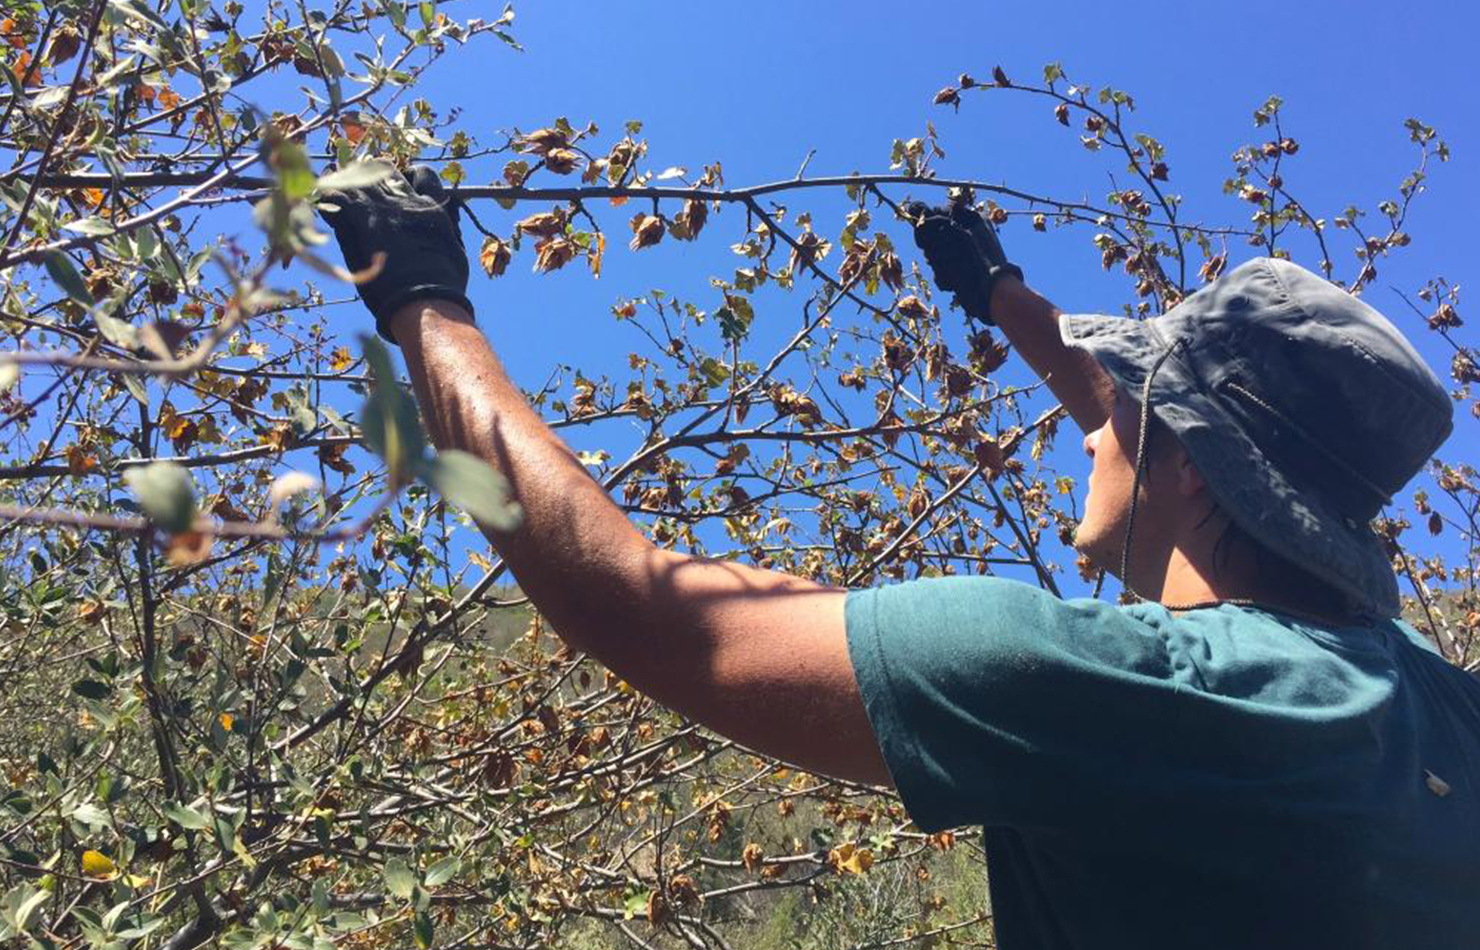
(263, 687)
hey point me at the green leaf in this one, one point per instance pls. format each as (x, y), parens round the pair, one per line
(635, 905)
(471, 484)
(115, 914)
(197, 261)
(186, 817)
(28, 906)
(145, 925)
(135, 387)
(92, 226)
(165, 492)
(399, 879)
(443, 871)
(119, 68)
(295, 176)
(422, 930)
(90, 814)
(92, 689)
(116, 331)
(136, 10)
(60, 267)
(388, 419)
(320, 897)
(145, 244)
(356, 175)
(715, 372)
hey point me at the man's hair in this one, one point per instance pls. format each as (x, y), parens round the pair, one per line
(1288, 581)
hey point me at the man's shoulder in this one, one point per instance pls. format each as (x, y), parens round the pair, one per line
(1229, 650)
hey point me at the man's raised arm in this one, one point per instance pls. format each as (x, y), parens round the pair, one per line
(758, 656)
(1031, 324)
(967, 259)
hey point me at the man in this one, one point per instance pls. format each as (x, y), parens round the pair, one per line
(1259, 755)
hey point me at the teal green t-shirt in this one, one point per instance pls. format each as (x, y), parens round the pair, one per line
(1225, 778)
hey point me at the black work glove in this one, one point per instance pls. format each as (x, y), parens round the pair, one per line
(963, 253)
(415, 223)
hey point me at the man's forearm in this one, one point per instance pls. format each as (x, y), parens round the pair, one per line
(575, 553)
(758, 656)
(1031, 324)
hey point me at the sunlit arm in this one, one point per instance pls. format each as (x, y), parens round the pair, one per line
(1031, 324)
(756, 655)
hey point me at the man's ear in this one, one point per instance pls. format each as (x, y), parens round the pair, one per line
(1190, 481)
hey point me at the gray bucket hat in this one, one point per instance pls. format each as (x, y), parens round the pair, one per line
(1302, 406)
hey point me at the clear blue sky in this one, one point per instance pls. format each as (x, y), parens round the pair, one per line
(759, 85)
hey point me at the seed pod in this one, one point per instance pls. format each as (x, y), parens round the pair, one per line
(561, 161)
(553, 254)
(647, 230)
(911, 307)
(541, 141)
(690, 221)
(64, 44)
(495, 256)
(543, 224)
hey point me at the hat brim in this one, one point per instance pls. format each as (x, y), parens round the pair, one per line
(1299, 526)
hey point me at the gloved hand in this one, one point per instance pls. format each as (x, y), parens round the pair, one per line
(415, 223)
(963, 253)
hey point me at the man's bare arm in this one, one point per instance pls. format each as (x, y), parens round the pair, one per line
(1031, 324)
(758, 656)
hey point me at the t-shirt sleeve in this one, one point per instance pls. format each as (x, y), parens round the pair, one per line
(996, 703)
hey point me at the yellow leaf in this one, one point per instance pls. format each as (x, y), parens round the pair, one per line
(226, 721)
(97, 864)
(848, 858)
(341, 359)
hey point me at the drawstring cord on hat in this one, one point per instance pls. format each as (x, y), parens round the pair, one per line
(1144, 430)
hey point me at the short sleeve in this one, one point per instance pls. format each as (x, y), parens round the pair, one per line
(996, 703)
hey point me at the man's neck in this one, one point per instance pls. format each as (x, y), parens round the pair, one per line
(1198, 581)
(1187, 581)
